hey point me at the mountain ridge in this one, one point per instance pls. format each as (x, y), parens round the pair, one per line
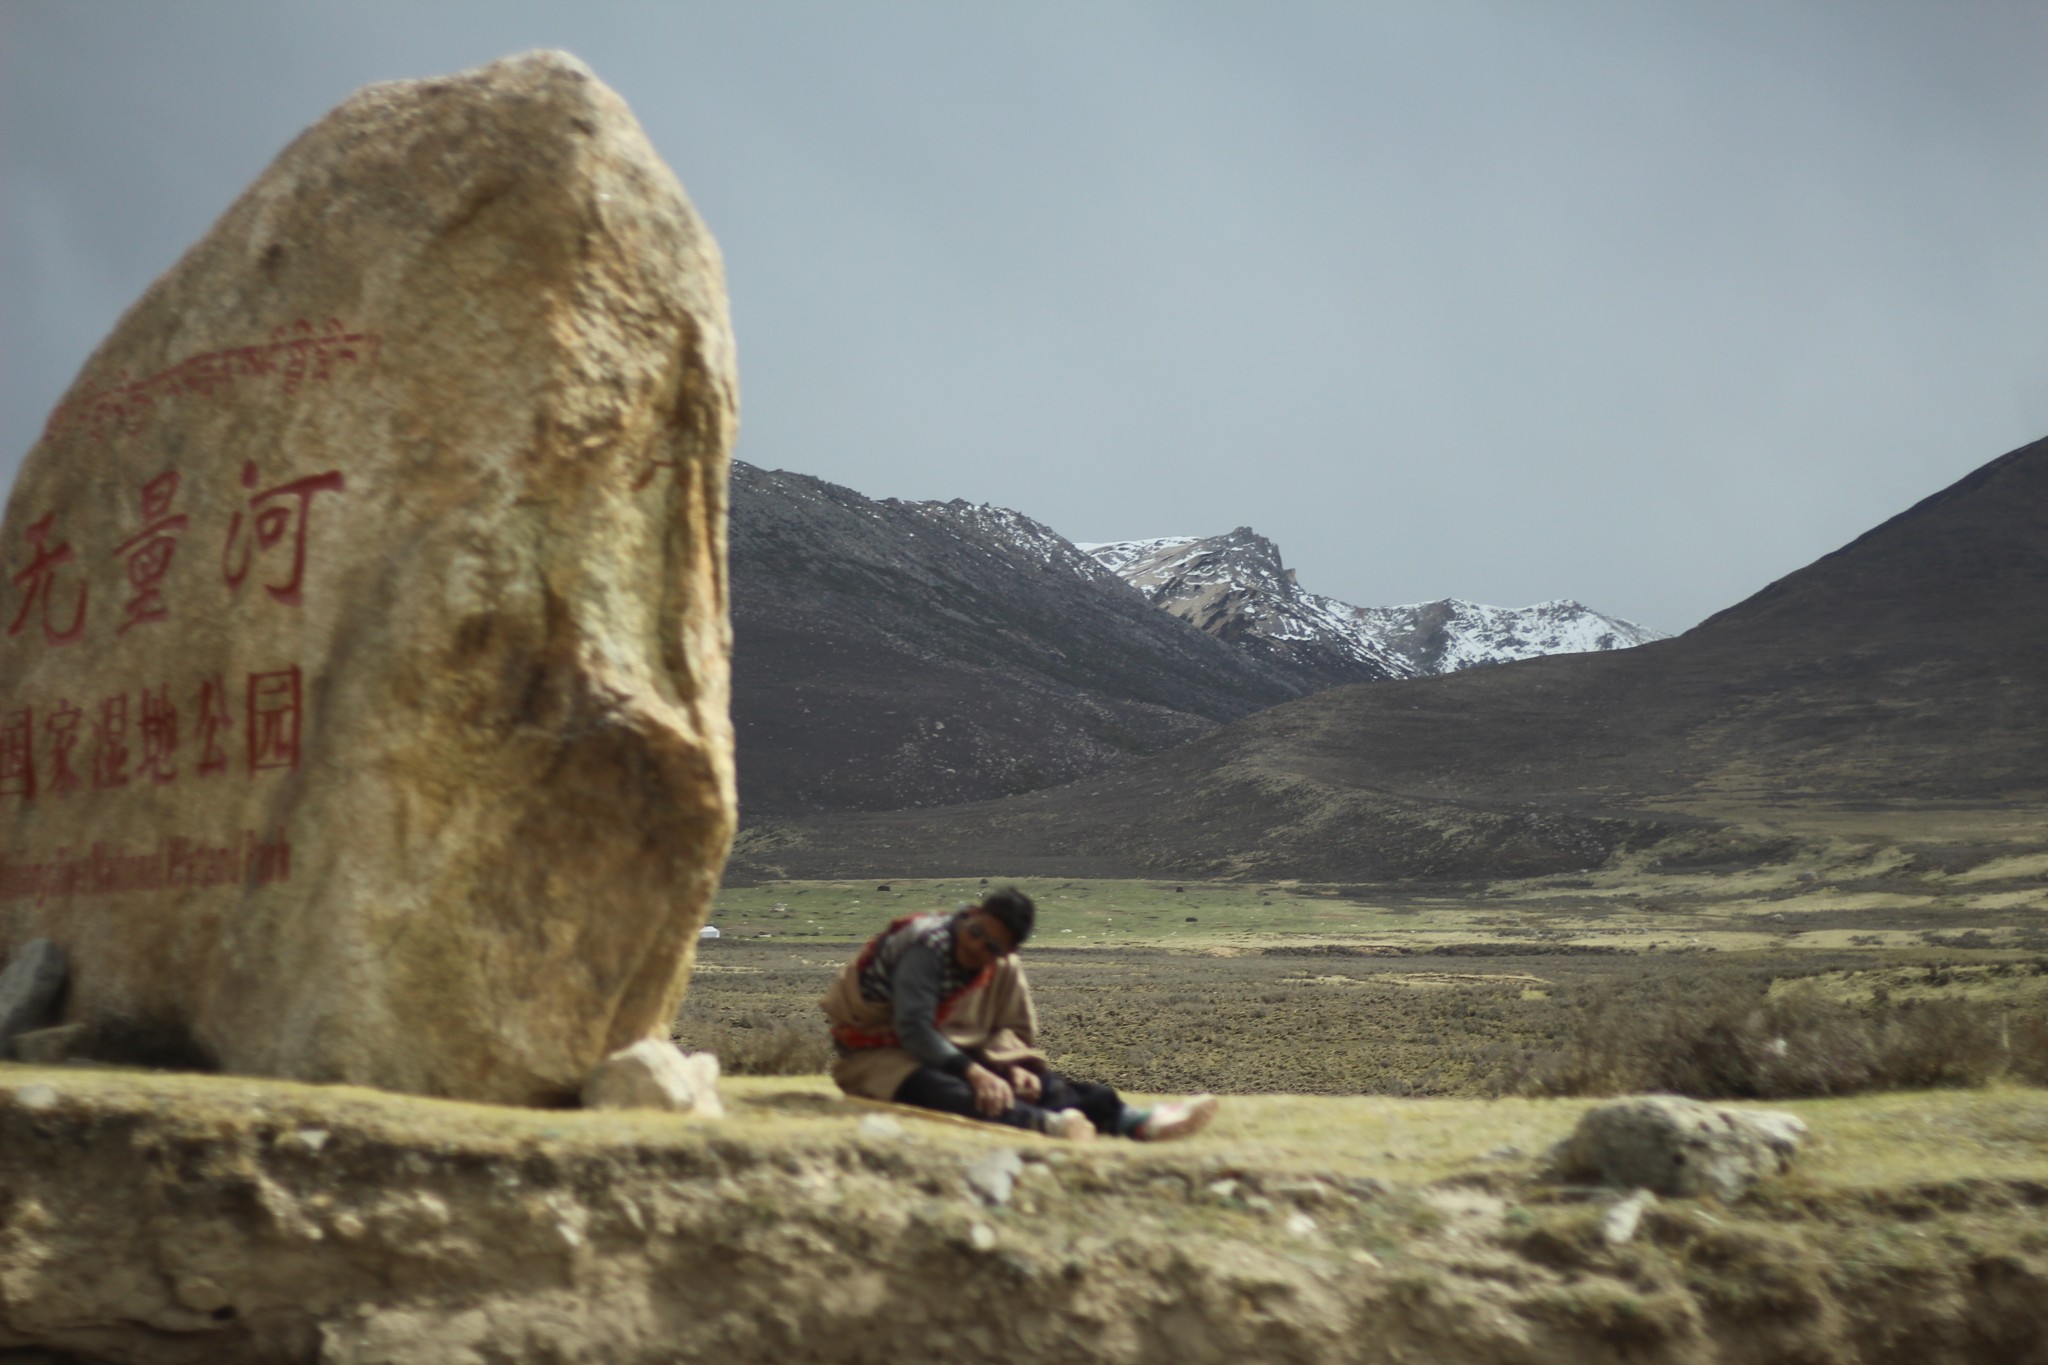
(891, 654)
(1906, 670)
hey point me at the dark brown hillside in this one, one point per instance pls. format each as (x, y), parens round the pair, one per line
(1909, 666)
(890, 654)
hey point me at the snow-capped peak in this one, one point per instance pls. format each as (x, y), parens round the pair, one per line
(1117, 553)
(1235, 587)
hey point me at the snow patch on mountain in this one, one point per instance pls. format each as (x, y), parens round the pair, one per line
(1449, 635)
(1117, 555)
(1034, 540)
(1235, 587)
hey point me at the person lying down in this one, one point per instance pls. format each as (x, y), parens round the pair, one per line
(935, 1012)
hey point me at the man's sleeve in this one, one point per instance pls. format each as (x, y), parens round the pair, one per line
(916, 985)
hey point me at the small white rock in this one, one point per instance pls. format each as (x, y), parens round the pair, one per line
(994, 1174)
(982, 1237)
(654, 1074)
(1300, 1225)
(1618, 1226)
(38, 1098)
(879, 1126)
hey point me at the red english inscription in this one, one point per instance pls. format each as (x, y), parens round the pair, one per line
(176, 864)
(38, 582)
(277, 513)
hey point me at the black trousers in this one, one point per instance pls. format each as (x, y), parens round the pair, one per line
(930, 1088)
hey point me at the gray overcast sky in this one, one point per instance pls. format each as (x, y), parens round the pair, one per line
(1641, 304)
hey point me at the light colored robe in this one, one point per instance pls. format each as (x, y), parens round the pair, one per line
(992, 1018)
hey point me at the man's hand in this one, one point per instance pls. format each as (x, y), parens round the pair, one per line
(992, 1094)
(1026, 1083)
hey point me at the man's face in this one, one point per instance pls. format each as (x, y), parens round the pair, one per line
(982, 939)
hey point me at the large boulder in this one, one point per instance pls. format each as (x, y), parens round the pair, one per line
(365, 667)
(1678, 1147)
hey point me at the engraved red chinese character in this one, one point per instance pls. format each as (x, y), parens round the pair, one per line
(110, 743)
(149, 551)
(159, 735)
(18, 754)
(213, 718)
(61, 725)
(278, 513)
(274, 719)
(39, 580)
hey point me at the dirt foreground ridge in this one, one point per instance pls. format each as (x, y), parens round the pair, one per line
(156, 1218)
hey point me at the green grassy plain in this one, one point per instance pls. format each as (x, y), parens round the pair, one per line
(1860, 897)
(1996, 1133)
(1454, 989)
(1999, 1132)
(1073, 913)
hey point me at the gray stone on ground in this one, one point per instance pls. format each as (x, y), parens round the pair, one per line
(1678, 1147)
(30, 988)
(655, 1074)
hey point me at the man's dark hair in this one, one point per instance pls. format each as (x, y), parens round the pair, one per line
(1015, 910)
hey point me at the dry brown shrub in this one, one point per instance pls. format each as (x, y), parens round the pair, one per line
(1730, 1039)
(2027, 1044)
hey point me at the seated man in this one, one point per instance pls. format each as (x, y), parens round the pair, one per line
(935, 1012)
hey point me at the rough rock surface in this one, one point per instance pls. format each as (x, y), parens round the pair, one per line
(654, 1074)
(30, 988)
(366, 654)
(1679, 1147)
